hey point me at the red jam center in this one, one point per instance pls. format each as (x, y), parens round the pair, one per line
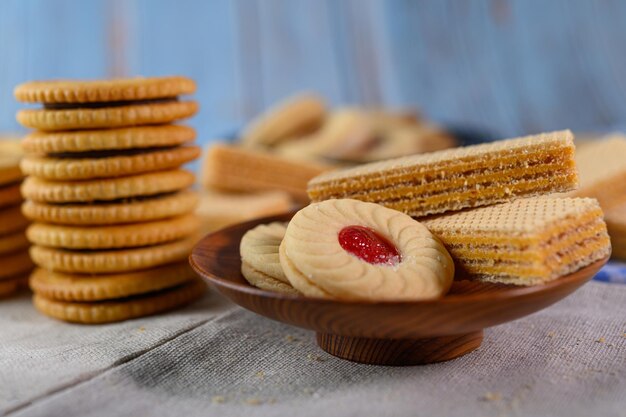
(368, 245)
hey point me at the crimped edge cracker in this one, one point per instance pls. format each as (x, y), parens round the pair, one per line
(107, 117)
(118, 310)
(123, 89)
(78, 287)
(158, 207)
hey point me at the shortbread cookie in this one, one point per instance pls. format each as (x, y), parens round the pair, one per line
(602, 170)
(293, 118)
(107, 117)
(115, 236)
(10, 195)
(112, 261)
(265, 282)
(107, 166)
(13, 264)
(221, 209)
(525, 242)
(13, 242)
(351, 250)
(101, 91)
(140, 137)
(131, 211)
(260, 262)
(124, 309)
(77, 287)
(12, 220)
(106, 189)
(458, 178)
(347, 134)
(236, 169)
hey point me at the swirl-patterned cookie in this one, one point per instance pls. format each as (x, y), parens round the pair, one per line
(352, 250)
(260, 263)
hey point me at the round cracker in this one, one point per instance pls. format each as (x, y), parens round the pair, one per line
(13, 242)
(113, 237)
(18, 263)
(138, 137)
(10, 195)
(107, 117)
(112, 311)
(83, 287)
(106, 189)
(63, 169)
(112, 261)
(12, 220)
(94, 91)
(149, 209)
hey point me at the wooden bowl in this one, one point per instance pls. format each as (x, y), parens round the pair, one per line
(383, 333)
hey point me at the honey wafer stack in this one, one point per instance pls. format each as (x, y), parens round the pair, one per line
(459, 178)
(16, 264)
(113, 211)
(525, 242)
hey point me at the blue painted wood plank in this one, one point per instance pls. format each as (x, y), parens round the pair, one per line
(195, 39)
(41, 39)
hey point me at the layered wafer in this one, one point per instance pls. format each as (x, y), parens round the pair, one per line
(524, 242)
(602, 170)
(458, 178)
(235, 169)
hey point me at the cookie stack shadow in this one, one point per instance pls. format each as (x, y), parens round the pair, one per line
(112, 211)
(16, 263)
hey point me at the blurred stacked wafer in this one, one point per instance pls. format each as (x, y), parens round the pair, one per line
(113, 211)
(16, 264)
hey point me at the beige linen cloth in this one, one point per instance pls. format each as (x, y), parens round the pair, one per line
(214, 358)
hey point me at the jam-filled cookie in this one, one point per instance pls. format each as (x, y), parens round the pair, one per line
(260, 264)
(352, 250)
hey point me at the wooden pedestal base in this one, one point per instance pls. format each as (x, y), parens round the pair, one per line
(399, 352)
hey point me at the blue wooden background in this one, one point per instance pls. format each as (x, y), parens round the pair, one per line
(511, 67)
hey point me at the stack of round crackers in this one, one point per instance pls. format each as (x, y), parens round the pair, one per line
(112, 209)
(14, 258)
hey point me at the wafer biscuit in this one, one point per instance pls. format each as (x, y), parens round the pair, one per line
(292, 118)
(9, 162)
(236, 169)
(111, 261)
(131, 211)
(85, 287)
(602, 170)
(13, 242)
(107, 117)
(259, 257)
(106, 189)
(123, 309)
(13, 264)
(458, 178)
(83, 168)
(220, 209)
(10, 195)
(139, 137)
(115, 236)
(524, 242)
(12, 220)
(94, 91)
